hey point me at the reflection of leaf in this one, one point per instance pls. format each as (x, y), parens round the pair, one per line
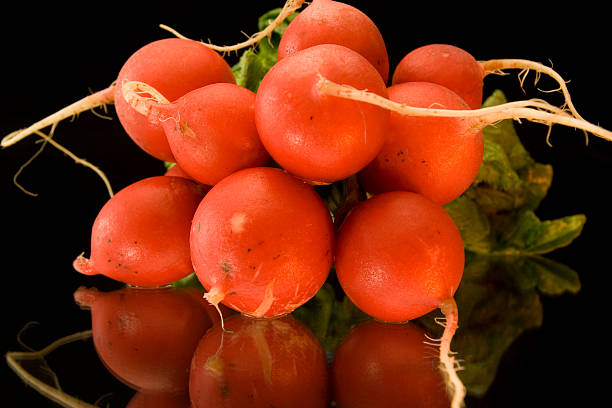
(499, 298)
(329, 318)
(496, 214)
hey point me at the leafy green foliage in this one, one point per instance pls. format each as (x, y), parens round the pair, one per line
(496, 214)
(256, 61)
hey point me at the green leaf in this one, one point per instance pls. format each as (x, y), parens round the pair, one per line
(255, 62)
(472, 223)
(189, 281)
(251, 68)
(496, 215)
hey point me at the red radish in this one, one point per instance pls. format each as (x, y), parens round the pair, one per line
(146, 337)
(458, 70)
(400, 256)
(141, 235)
(315, 137)
(262, 242)
(333, 22)
(261, 363)
(211, 130)
(436, 157)
(155, 64)
(382, 365)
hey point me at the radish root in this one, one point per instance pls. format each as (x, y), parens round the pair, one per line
(55, 394)
(533, 110)
(214, 297)
(100, 98)
(497, 67)
(288, 9)
(448, 362)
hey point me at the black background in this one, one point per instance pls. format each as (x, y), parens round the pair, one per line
(53, 55)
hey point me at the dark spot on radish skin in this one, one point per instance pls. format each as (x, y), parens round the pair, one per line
(226, 268)
(224, 390)
(276, 257)
(249, 250)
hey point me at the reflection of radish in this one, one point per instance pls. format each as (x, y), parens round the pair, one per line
(262, 242)
(382, 365)
(141, 235)
(159, 400)
(400, 256)
(146, 337)
(261, 363)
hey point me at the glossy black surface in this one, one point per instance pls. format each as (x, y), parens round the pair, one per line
(54, 54)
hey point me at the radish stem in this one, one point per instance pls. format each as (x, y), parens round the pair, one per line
(289, 8)
(456, 388)
(531, 110)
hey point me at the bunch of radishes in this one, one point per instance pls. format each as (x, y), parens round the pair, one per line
(244, 213)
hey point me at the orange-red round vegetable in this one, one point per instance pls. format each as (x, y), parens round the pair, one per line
(384, 365)
(173, 66)
(146, 337)
(446, 65)
(262, 242)
(399, 256)
(333, 22)
(436, 157)
(259, 363)
(212, 133)
(141, 235)
(320, 138)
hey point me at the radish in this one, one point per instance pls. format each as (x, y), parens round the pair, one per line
(436, 157)
(155, 64)
(262, 242)
(318, 138)
(262, 363)
(400, 256)
(146, 337)
(333, 22)
(382, 365)
(459, 71)
(141, 235)
(211, 130)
